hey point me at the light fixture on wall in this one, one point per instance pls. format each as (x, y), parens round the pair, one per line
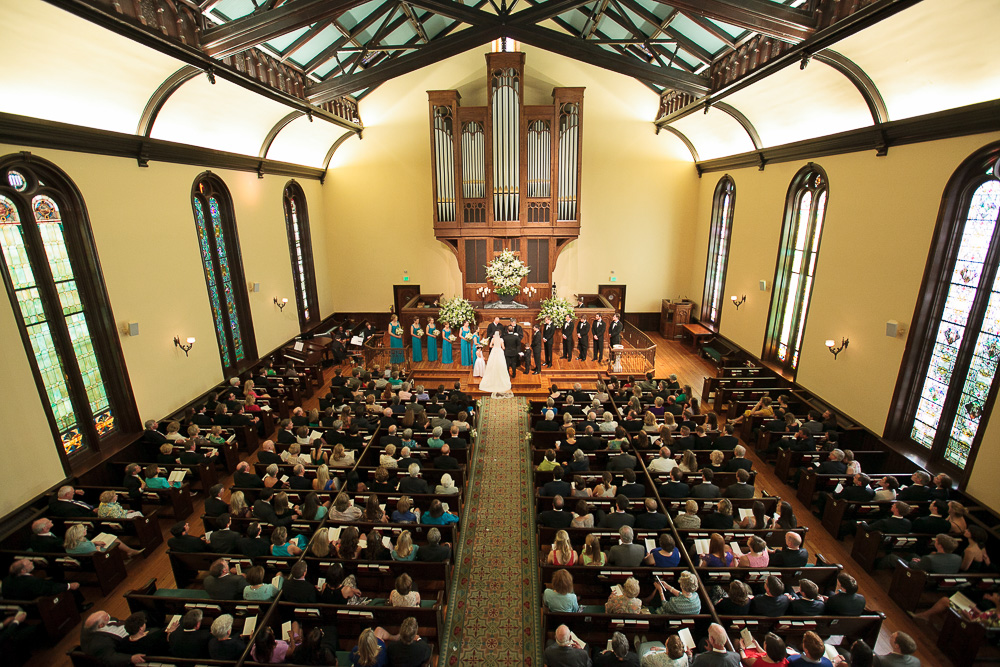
(280, 304)
(844, 342)
(738, 300)
(184, 346)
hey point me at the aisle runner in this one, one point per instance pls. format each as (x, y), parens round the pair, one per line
(493, 611)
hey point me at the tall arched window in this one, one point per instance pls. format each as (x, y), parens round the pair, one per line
(55, 284)
(718, 251)
(946, 392)
(220, 255)
(805, 208)
(300, 249)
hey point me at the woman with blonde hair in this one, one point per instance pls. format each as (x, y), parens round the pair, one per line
(405, 549)
(649, 424)
(110, 508)
(323, 481)
(956, 517)
(562, 552)
(716, 458)
(626, 602)
(340, 457)
(295, 452)
(319, 545)
(567, 422)
(370, 651)
(76, 542)
(670, 422)
(592, 554)
(238, 505)
(173, 431)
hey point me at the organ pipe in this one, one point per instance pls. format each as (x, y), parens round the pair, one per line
(444, 163)
(506, 145)
(473, 161)
(539, 159)
(569, 129)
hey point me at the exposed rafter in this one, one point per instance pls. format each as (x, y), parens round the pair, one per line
(767, 18)
(456, 10)
(347, 36)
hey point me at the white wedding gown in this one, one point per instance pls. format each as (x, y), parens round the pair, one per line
(495, 379)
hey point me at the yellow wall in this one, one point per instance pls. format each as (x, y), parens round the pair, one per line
(876, 237)
(637, 203)
(143, 226)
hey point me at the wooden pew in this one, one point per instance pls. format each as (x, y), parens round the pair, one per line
(910, 585)
(104, 569)
(57, 613)
(145, 529)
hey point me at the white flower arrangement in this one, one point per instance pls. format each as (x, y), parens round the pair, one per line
(557, 308)
(456, 310)
(506, 272)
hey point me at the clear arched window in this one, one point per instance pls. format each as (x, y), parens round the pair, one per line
(220, 256)
(947, 389)
(718, 251)
(55, 286)
(300, 250)
(805, 209)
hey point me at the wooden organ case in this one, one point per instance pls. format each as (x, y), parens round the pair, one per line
(506, 176)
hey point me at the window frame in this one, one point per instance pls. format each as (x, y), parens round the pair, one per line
(941, 258)
(216, 188)
(47, 179)
(293, 192)
(798, 187)
(725, 186)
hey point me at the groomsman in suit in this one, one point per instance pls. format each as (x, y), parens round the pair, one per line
(548, 336)
(535, 351)
(615, 330)
(567, 338)
(598, 330)
(494, 326)
(582, 342)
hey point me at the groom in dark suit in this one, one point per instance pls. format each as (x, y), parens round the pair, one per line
(512, 350)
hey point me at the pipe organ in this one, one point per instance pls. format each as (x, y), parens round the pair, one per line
(506, 176)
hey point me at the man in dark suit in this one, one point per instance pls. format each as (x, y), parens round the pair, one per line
(675, 488)
(517, 327)
(221, 584)
(706, 489)
(582, 338)
(535, 352)
(892, 525)
(564, 652)
(556, 517)
(296, 588)
(253, 545)
(721, 518)
(620, 517)
(20, 584)
(919, 490)
(686, 441)
(151, 437)
(567, 338)
(512, 350)
(412, 483)
(597, 330)
(183, 542)
(557, 486)
(615, 331)
(267, 455)
(548, 339)
(739, 460)
(834, 465)
(245, 479)
(298, 479)
(456, 441)
(626, 554)
(434, 551)
(223, 539)
(792, 554)
(651, 519)
(936, 522)
(286, 436)
(631, 489)
(64, 505)
(263, 510)
(410, 649)
(774, 602)
(133, 482)
(407, 459)
(191, 640)
(98, 642)
(43, 539)
(845, 601)
(548, 422)
(741, 489)
(391, 438)
(808, 602)
(214, 504)
(493, 327)
(728, 440)
(624, 461)
(857, 490)
(445, 461)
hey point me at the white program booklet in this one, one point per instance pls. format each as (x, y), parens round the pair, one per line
(107, 538)
(177, 475)
(701, 546)
(685, 635)
(249, 626)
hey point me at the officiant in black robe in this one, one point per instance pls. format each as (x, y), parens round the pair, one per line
(512, 350)
(495, 326)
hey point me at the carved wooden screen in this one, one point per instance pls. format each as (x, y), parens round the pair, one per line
(506, 173)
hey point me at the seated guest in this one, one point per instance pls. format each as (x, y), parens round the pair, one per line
(76, 542)
(561, 598)
(721, 518)
(413, 483)
(437, 515)
(266, 454)
(620, 517)
(268, 649)
(348, 547)
(706, 489)
(298, 480)
(253, 545)
(42, 537)
(549, 462)
(739, 460)
(222, 584)
(936, 522)
(403, 513)
(382, 483)
(223, 539)
(626, 554)
(406, 459)
(728, 440)
(282, 546)
(683, 601)
(562, 552)
(65, 506)
(245, 478)
(183, 542)
(549, 423)
(919, 490)
(445, 461)
(651, 519)
(813, 652)
(845, 601)
(834, 465)
(583, 517)
(886, 489)
(144, 641)
(774, 602)
(563, 651)
(675, 488)
(166, 455)
(773, 653)
(757, 556)
(214, 504)
(344, 510)
(623, 461)
(808, 602)
(624, 600)
(943, 560)
(664, 462)
(133, 482)
(942, 487)
(903, 648)
(719, 554)
(405, 549)
(403, 594)
(20, 584)
(592, 554)
(790, 555)
(689, 520)
(311, 509)
(447, 486)
(256, 589)
(191, 640)
(410, 650)
(631, 489)
(666, 555)
(672, 653)
(737, 600)
(786, 517)
(556, 517)
(434, 551)
(895, 524)
(100, 641)
(223, 646)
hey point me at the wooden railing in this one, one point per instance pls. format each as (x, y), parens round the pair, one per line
(377, 353)
(638, 356)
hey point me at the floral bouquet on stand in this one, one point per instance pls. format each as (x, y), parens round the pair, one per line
(506, 272)
(456, 310)
(557, 308)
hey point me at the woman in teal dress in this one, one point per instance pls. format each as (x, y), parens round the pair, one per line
(415, 334)
(432, 344)
(466, 344)
(395, 341)
(477, 342)
(446, 344)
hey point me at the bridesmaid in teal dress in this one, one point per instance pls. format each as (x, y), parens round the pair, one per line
(415, 334)
(466, 345)
(395, 341)
(476, 343)
(432, 344)
(446, 345)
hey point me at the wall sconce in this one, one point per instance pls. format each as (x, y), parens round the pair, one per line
(186, 347)
(738, 301)
(280, 304)
(844, 342)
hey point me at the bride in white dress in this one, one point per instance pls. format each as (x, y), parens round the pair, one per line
(496, 379)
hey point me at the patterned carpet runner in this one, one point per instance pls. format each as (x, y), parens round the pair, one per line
(493, 614)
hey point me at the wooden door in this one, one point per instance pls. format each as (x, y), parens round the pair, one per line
(401, 295)
(615, 294)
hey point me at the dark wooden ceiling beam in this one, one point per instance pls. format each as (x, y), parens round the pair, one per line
(547, 10)
(432, 53)
(457, 11)
(415, 22)
(768, 18)
(262, 26)
(347, 36)
(302, 39)
(711, 28)
(685, 43)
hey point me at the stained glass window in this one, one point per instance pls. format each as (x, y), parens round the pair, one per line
(804, 213)
(300, 250)
(221, 260)
(718, 251)
(58, 328)
(962, 362)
